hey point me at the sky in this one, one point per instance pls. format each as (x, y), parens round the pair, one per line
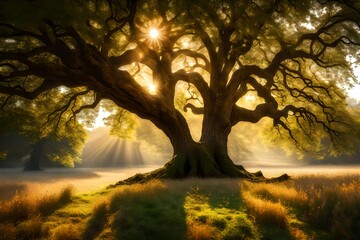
(355, 93)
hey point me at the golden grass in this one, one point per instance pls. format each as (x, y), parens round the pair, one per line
(277, 192)
(21, 217)
(30, 229)
(266, 212)
(22, 207)
(200, 231)
(66, 231)
(18, 208)
(7, 231)
(327, 207)
(51, 202)
(334, 206)
(329, 203)
(96, 224)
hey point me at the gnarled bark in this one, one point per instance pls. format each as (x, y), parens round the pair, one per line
(205, 159)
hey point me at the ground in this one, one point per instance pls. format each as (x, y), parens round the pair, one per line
(325, 205)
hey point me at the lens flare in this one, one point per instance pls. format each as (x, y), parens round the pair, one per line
(154, 33)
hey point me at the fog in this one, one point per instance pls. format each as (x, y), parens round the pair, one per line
(52, 180)
(151, 147)
(84, 180)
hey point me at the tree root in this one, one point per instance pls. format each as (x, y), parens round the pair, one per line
(161, 173)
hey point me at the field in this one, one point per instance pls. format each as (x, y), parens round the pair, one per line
(318, 203)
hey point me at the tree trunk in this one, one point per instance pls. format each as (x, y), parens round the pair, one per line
(206, 159)
(37, 153)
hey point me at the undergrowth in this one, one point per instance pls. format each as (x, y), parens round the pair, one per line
(22, 217)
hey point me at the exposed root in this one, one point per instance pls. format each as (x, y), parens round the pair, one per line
(162, 173)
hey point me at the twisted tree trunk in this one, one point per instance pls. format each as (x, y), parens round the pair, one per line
(205, 159)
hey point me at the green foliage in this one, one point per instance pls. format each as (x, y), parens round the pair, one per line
(123, 123)
(292, 57)
(316, 142)
(31, 122)
(67, 12)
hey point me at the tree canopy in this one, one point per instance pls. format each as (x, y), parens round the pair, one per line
(228, 61)
(29, 129)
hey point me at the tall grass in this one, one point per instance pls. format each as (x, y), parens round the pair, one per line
(97, 221)
(266, 212)
(66, 231)
(22, 207)
(152, 209)
(21, 217)
(50, 203)
(187, 209)
(325, 203)
(333, 204)
(277, 192)
(307, 207)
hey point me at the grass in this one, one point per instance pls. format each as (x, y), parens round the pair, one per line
(22, 217)
(307, 207)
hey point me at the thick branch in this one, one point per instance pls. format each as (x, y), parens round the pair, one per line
(194, 109)
(197, 80)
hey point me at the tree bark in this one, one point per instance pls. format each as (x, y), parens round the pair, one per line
(205, 159)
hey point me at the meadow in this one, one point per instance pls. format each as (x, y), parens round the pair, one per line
(309, 206)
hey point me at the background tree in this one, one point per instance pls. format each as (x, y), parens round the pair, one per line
(29, 129)
(292, 57)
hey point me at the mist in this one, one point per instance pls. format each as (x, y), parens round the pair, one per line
(246, 146)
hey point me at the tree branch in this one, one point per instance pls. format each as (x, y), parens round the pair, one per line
(197, 80)
(194, 109)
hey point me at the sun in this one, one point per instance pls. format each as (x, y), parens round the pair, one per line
(152, 88)
(154, 33)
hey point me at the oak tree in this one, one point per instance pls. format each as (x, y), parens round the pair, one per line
(292, 58)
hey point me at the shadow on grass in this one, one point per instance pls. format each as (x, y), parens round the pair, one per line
(189, 209)
(150, 211)
(97, 222)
